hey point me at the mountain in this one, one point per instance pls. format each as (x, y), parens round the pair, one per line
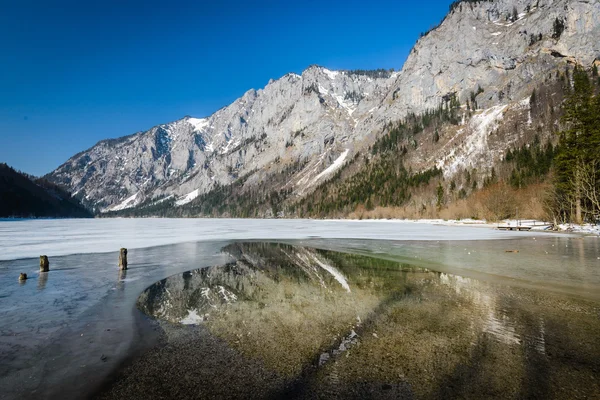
(22, 196)
(473, 77)
(309, 117)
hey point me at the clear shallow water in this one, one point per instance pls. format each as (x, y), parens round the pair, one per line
(567, 264)
(350, 326)
(56, 327)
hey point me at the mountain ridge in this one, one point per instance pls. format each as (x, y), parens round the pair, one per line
(315, 117)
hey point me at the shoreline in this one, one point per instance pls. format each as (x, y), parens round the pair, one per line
(151, 336)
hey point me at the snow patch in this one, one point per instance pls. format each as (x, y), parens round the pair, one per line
(198, 123)
(347, 105)
(192, 318)
(330, 74)
(188, 198)
(589, 229)
(127, 203)
(519, 18)
(230, 142)
(476, 144)
(333, 167)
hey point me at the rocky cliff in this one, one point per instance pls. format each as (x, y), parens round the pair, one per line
(310, 125)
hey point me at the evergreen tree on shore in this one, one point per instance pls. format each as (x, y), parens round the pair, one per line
(577, 164)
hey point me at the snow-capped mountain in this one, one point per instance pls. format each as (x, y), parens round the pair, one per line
(322, 118)
(295, 117)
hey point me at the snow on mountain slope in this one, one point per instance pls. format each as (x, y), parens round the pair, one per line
(475, 146)
(315, 117)
(333, 167)
(293, 118)
(188, 198)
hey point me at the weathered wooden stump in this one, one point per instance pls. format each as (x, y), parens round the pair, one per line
(23, 276)
(44, 264)
(123, 259)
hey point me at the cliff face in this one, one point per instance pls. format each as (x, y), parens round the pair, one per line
(311, 124)
(482, 44)
(293, 118)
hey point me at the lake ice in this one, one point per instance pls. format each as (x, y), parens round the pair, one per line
(56, 327)
(30, 238)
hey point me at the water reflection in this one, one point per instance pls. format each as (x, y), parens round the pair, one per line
(495, 319)
(42, 280)
(121, 279)
(350, 324)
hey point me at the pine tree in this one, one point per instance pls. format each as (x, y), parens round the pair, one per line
(440, 196)
(578, 149)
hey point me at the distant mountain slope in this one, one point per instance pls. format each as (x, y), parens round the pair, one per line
(21, 196)
(484, 61)
(311, 117)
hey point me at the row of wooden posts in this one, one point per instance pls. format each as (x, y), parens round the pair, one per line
(45, 264)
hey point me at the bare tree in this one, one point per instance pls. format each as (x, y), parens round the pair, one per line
(589, 180)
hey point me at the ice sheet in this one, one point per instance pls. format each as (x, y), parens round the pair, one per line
(31, 238)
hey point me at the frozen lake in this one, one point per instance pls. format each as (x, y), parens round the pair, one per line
(63, 331)
(31, 238)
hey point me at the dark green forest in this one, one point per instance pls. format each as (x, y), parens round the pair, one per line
(576, 192)
(25, 196)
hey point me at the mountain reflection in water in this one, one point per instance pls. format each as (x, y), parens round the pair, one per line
(351, 325)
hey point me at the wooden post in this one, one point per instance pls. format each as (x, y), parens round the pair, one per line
(44, 264)
(123, 259)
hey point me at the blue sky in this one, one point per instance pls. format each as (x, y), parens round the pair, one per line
(76, 72)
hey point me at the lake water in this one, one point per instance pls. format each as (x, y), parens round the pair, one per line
(62, 332)
(310, 323)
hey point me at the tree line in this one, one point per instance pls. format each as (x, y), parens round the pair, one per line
(576, 193)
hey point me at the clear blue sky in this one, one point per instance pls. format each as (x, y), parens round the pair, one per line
(76, 72)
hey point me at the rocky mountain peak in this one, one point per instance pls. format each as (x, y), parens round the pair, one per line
(311, 124)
